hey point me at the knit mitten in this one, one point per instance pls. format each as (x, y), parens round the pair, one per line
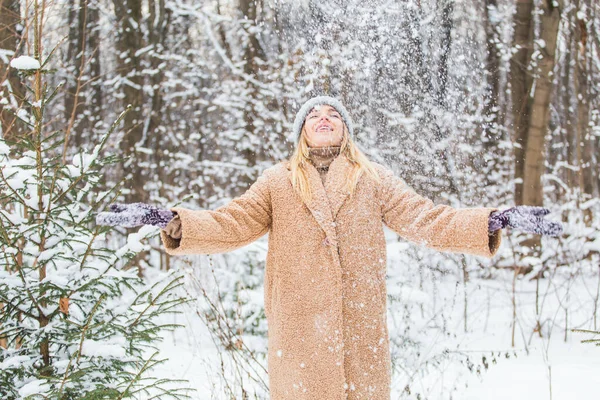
(528, 219)
(134, 214)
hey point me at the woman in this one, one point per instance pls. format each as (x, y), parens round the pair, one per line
(324, 292)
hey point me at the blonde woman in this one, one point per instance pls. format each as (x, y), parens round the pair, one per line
(325, 289)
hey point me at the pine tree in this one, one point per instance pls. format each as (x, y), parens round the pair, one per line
(74, 321)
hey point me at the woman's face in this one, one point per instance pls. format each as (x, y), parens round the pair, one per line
(323, 127)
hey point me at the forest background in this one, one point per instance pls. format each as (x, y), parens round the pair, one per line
(474, 102)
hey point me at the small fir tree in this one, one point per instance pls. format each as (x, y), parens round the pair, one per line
(75, 323)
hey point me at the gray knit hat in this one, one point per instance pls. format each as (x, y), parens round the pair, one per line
(317, 101)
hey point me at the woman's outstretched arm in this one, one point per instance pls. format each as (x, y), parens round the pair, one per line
(238, 223)
(441, 227)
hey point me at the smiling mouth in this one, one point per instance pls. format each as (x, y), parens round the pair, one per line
(324, 129)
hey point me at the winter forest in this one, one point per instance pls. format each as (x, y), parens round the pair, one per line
(473, 103)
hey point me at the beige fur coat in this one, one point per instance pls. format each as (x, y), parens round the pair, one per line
(325, 290)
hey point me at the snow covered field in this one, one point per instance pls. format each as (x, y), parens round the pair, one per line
(434, 356)
(554, 370)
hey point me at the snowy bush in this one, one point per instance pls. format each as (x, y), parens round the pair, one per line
(75, 322)
(229, 292)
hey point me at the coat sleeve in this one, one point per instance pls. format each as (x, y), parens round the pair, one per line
(236, 224)
(440, 227)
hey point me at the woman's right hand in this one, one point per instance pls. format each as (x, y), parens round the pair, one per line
(135, 214)
(173, 228)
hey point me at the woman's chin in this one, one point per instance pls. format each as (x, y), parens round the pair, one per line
(328, 144)
(325, 142)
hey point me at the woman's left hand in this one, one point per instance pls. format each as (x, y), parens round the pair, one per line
(528, 219)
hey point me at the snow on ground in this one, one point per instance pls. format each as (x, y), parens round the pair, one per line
(441, 359)
(191, 356)
(570, 370)
(547, 367)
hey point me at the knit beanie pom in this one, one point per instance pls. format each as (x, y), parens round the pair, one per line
(318, 101)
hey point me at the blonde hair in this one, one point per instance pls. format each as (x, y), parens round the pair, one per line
(300, 159)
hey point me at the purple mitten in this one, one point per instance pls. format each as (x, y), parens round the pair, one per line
(528, 219)
(135, 214)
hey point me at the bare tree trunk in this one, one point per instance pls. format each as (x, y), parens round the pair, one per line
(540, 107)
(497, 167)
(447, 24)
(157, 31)
(130, 40)
(76, 53)
(492, 111)
(531, 94)
(447, 8)
(593, 44)
(566, 103)
(10, 127)
(520, 82)
(224, 41)
(129, 14)
(585, 146)
(93, 35)
(252, 54)
(10, 39)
